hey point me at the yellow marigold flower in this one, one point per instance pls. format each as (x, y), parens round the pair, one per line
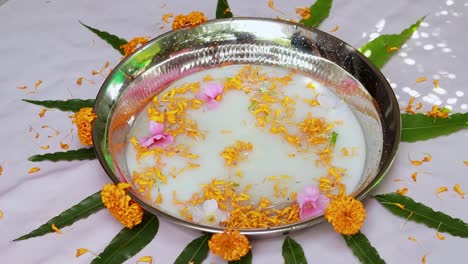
(190, 20)
(346, 215)
(132, 45)
(120, 205)
(83, 119)
(230, 246)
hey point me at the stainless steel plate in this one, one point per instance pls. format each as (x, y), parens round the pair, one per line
(176, 54)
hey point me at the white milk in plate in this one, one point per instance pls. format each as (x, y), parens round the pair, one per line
(271, 133)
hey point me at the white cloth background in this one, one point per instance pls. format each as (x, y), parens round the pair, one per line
(42, 39)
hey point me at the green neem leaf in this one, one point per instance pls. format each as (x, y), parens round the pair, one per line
(416, 127)
(362, 249)
(73, 105)
(318, 12)
(79, 154)
(128, 242)
(195, 252)
(113, 40)
(407, 208)
(247, 259)
(85, 208)
(381, 49)
(334, 137)
(292, 252)
(221, 8)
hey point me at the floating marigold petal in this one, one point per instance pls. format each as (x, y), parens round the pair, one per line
(145, 259)
(421, 79)
(441, 190)
(402, 191)
(436, 83)
(458, 190)
(440, 236)
(34, 170)
(56, 229)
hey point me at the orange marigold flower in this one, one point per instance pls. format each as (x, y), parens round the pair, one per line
(230, 245)
(120, 205)
(346, 215)
(133, 44)
(83, 119)
(190, 20)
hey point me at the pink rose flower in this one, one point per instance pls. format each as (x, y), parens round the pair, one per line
(311, 202)
(158, 137)
(209, 94)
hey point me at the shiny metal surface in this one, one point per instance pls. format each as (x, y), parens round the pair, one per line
(258, 41)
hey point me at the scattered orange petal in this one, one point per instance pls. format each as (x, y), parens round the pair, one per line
(106, 64)
(36, 85)
(335, 29)
(409, 106)
(64, 146)
(303, 12)
(145, 259)
(81, 251)
(34, 170)
(392, 49)
(423, 259)
(397, 180)
(410, 238)
(436, 83)
(402, 191)
(427, 158)
(271, 4)
(94, 72)
(421, 79)
(414, 176)
(1, 170)
(418, 106)
(458, 190)
(22, 87)
(44, 147)
(465, 162)
(399, 205)
(79, 81)
(42, 112)
(1, 214)
(441, 190)
(56, 229)
(166, 17)
(440, 236)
